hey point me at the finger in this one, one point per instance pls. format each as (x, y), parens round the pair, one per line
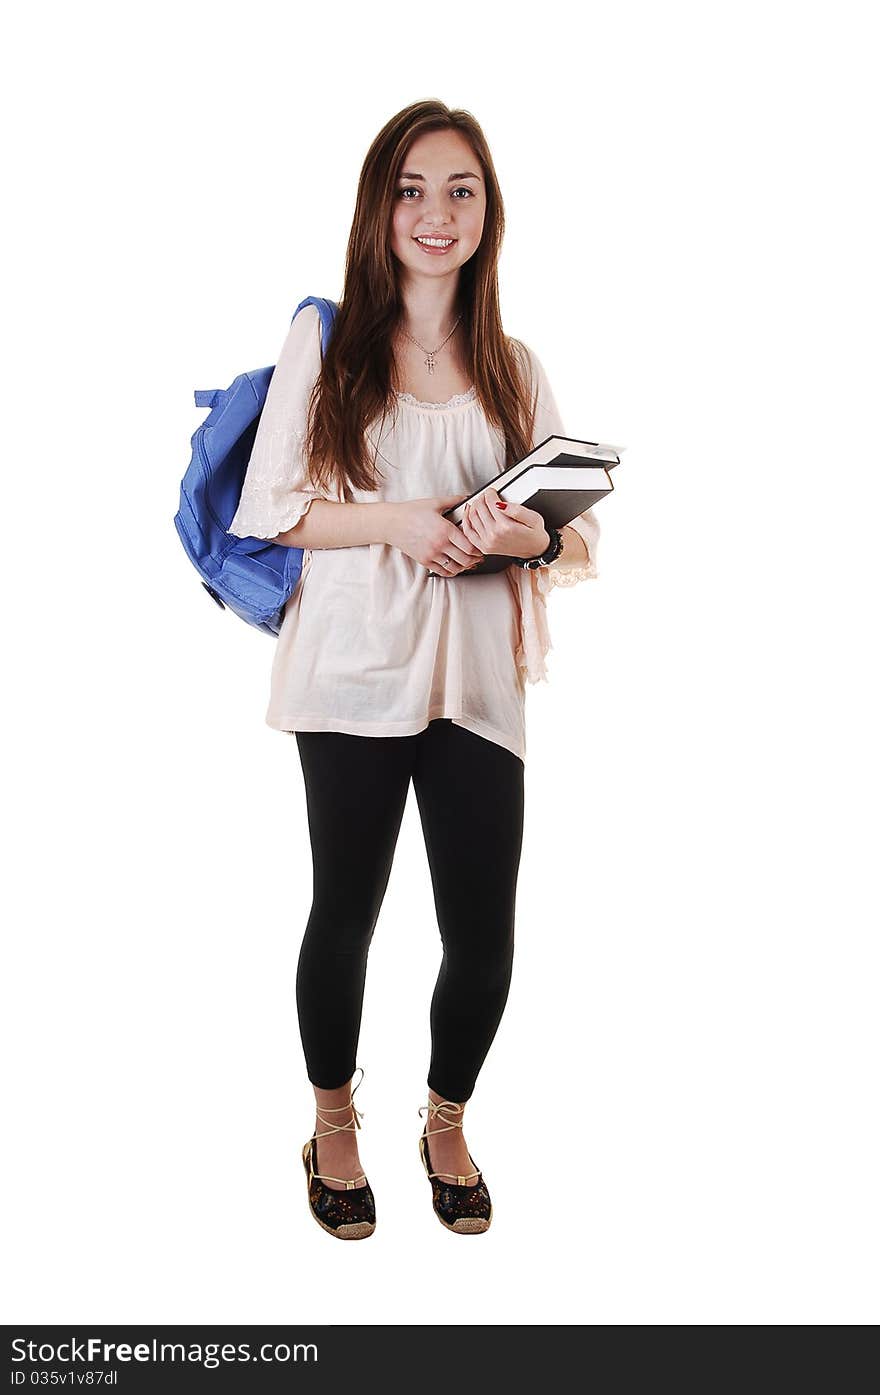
(517, 513)
(479, 533)
(484, 509)
(476, 528)
(520, 514)
(456, 554)
(466, 530)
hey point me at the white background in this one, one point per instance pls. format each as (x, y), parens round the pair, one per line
(677, 1119)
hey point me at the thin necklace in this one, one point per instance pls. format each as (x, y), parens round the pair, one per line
(432, 353)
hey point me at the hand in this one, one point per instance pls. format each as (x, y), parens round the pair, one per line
(511, 531)
(419, 529)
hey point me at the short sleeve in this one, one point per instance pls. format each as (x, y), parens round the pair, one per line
(277, 491)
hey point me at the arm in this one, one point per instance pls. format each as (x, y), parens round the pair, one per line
(578, 560)
(278, 500)
(581, 535)
(330, 524)
(277, 495)
(575, 553)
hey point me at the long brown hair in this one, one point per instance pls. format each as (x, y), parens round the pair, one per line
(353, 386)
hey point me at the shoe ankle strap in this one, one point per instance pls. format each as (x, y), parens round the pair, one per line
(352, 1124)
(434, 1108)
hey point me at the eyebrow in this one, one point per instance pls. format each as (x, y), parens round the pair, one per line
(465, 174)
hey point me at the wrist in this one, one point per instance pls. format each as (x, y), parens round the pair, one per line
(546, 558)
(541, 550)
(386, 529)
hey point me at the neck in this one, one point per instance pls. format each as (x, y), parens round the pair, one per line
(429, 312)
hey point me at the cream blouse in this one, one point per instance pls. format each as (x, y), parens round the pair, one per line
(370, 643)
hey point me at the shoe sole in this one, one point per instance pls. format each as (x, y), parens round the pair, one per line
(467, 1225)
(357, 1230)
(354, 1230)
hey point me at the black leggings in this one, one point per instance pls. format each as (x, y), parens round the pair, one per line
(470, 798)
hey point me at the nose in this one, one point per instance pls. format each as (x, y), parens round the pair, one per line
(438, 219)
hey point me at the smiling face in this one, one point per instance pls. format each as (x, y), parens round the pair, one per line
(440, 193)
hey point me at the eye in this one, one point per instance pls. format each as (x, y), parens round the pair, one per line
(411, 189)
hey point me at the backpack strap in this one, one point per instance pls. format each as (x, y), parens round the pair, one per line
(209, 397)
(215, 397)
(326, 309)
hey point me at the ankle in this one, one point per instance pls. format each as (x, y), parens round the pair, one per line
(337, 1131)
(336, 1116)
(446, 1118)
(337, 1101)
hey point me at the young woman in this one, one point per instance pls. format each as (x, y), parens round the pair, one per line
(384, 672)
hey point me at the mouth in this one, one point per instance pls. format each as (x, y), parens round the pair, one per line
(436, 247)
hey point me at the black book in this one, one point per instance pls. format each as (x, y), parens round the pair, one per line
(559, 479)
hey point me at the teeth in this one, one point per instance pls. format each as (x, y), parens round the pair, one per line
(436, 241)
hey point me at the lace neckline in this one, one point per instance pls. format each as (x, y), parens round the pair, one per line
(458, 400)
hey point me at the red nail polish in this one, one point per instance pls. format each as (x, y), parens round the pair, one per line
(499, 503)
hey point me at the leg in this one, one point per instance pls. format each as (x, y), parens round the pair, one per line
(470, 793)
(356, 790)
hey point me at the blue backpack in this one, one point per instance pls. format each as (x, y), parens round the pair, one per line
(251, 576)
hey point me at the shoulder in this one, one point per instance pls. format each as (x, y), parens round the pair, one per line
(528, 363)
(308, 315)
(521, 352)
(305, 327)
(300, 354)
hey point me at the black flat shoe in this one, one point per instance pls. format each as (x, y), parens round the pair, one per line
(461, 1204)
(349, 1214)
